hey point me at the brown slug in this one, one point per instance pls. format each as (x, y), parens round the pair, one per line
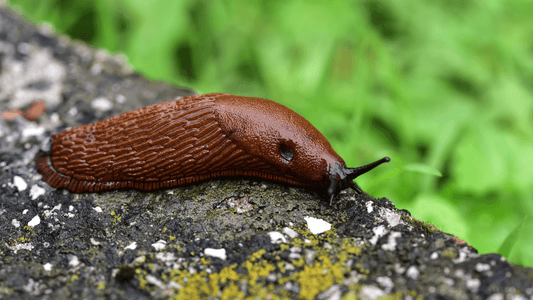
(197, 138)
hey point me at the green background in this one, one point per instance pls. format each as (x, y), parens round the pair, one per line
(443, 87)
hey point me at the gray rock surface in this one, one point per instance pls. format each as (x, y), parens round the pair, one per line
(218, 239)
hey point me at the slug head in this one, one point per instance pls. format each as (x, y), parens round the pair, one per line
(291, 147)
(340, 177)
(288, 144)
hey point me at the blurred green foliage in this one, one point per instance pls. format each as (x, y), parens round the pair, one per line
(443, 87)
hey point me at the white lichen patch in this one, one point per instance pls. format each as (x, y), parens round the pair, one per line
(220, 253)
(480, 267)
(159, 245)
(166, 256)
(19, 183)
(369, 207)
(139, 259)
(464, 253)
(52, 212)
(35, 221)
(391, 242)
(386, 283)
(17, 247)
(101, 104)
(317, 226)
(473, 284)
(412, 272)
(47, 267)
(15, 223)
(371, 292)
(379, 231)
(290, 232)
(32, 130)
(36, 191)
(73, 261)
(277, 237)
(392, 217)
(131, 246)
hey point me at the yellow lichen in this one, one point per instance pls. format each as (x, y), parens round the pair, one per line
(257, 255)
(195, 287)
(300, 262)
(231, 292)
(450, 254)
(142, 282)
(318, 277)
(228, 274)
(205, 261)
(327, 268)
(258, 270)
(348, 245)
(116, 218)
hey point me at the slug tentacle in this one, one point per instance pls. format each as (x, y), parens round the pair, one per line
(341, 177)
(352, 173)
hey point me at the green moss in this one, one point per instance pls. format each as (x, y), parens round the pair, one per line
(428, 227)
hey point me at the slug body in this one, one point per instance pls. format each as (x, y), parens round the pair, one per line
(193, 139)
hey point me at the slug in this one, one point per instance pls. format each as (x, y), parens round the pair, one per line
(193, 139)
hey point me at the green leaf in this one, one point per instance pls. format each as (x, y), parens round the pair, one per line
(511, 239)
(440, 212)
(422, 168)
(482, 159)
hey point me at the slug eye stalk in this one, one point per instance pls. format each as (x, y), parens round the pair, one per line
(342, 177)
